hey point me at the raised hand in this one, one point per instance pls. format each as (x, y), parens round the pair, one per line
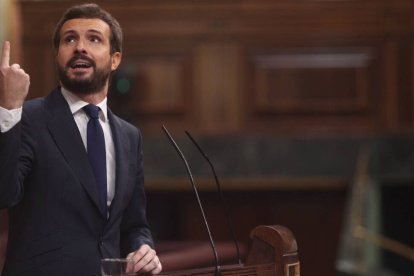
(14, 82)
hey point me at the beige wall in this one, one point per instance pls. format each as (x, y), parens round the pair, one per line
(10, 22)
(3, 19)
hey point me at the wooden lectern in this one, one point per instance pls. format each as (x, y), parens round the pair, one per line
(273, 252)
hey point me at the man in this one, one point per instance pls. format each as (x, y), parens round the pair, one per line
(70, 202)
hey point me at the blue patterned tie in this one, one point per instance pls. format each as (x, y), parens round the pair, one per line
(97, 153)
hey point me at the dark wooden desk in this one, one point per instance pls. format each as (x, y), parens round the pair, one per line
(273, 252)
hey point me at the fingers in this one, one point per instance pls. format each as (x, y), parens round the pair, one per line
(14, 81)
(5, 55)
(15, 66)
(158, 267)
(145, 259)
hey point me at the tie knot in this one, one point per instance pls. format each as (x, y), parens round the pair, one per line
(92, 111)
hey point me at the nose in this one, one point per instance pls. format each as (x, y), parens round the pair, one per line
(80, 47)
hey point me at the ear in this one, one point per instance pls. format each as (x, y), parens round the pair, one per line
(115, 60)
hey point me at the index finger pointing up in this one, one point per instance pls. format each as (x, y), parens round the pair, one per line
(5, 56)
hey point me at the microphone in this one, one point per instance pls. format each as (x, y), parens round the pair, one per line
(217, 266)
(230, 225)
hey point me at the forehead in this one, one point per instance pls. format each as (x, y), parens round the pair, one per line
(83, 25)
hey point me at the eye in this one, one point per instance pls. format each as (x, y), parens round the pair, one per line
(69, 39)
(95, 39)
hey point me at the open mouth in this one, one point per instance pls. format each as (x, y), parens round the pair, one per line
(80, 64)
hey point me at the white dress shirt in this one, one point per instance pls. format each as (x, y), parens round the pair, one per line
(9, 118)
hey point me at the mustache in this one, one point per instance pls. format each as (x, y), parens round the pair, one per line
(80, 56)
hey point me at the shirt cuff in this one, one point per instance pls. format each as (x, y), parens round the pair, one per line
(9, 118)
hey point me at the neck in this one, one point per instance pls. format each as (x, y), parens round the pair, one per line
(93, 98)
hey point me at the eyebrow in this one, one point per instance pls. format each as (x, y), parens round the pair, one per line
(88, 31)
(94, 31)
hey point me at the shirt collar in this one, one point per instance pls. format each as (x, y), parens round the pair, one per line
(76, 104)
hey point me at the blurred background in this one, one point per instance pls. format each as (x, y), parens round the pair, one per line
(305, 107)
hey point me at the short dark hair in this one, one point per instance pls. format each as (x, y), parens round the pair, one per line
(91, 11)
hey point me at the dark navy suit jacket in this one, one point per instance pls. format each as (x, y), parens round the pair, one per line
(55, 225)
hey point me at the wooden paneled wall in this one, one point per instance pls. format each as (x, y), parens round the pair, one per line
(272, 67)
(269, 67)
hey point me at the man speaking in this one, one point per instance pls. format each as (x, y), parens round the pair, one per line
(71, 172)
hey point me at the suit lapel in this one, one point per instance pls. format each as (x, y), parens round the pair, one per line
(121, 143)
(66, 134)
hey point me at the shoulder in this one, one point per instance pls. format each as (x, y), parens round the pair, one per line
(33, 108)
(37, 104)
(124, 128)
(33, 104)
(125, 125)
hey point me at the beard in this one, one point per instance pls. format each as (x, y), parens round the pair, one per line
(84, 86)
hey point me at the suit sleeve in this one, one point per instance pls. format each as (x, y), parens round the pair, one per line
(10, 187)
(15, 162)
(135, 228)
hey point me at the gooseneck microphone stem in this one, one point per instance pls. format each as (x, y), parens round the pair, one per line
(217, 267)
(226, 211)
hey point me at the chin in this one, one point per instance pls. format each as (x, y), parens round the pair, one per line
(80, 77)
